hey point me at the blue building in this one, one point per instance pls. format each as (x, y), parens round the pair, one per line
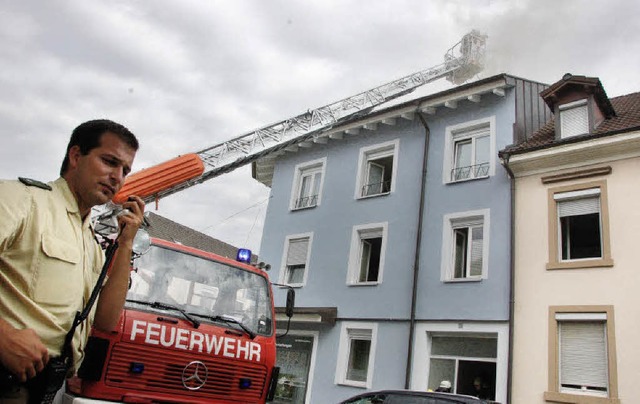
(395, 230)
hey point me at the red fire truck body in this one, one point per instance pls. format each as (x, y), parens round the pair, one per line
(196, 328)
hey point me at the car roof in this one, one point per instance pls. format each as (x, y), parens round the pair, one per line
(445, 397)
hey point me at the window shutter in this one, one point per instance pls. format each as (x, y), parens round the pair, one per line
(582, 206)
(583, 355)
(297, 254)
(574, 121)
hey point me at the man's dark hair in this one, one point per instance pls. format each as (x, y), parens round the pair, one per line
(87, 136)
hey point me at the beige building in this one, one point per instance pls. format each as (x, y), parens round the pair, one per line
(576, 276)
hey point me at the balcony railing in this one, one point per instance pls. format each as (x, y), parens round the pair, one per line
(376, 188)
(469, 172)
(306, 202)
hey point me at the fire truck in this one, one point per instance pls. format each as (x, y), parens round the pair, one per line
(198, 327)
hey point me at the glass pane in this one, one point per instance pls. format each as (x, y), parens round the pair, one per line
(295, 274)
(483, 150)
(463, 153)
(358, 360)
(470, 347)
(201, 286)
(460, 257)
(305, 186)
(364, 260)
(476, 251)
(316, 183)
(439, 370)
(294, 359)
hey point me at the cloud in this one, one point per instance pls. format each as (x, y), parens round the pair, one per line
(188, 75)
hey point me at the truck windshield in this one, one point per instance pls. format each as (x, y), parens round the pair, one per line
(202, 287)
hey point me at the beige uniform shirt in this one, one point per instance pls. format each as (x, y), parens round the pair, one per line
(49, 262)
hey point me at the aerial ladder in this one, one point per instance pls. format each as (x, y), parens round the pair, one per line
(461, 62)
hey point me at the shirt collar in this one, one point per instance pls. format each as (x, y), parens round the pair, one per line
(69, 199)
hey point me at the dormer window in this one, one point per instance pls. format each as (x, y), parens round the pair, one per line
(574, 119)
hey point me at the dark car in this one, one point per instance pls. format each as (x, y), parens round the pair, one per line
(411, 397)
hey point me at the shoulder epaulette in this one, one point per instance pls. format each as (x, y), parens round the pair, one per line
(34, 183)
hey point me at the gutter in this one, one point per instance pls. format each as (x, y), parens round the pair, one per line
(512, 273)
(416, 261)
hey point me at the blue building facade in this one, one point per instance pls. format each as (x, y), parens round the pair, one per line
(395, 231)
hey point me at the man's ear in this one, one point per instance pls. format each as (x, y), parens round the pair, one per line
(74, 155)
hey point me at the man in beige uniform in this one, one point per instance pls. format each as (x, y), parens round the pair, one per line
(49, 258)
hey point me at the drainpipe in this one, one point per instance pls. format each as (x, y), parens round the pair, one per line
(416, 261)
(505, 163)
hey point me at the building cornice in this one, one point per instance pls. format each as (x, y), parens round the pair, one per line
(579, 154)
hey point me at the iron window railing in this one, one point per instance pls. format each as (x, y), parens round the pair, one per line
(306, 202)
(377, 188)
(469, 172)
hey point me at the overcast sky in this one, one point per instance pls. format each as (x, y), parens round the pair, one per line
(185, 75)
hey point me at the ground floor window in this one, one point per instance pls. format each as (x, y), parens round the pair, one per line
(294, 359)
(467, 362)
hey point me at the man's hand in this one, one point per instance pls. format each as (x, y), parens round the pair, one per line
(22, 352)
(114, 291)
(130, 220)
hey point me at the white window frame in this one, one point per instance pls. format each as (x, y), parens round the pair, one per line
(454, 221)
(359, 233)
(301, 170)
(574, 118)
(355, 330)
(373, 152)
(470, 129)
(282, 278)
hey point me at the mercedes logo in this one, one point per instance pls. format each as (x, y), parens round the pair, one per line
(194, 375)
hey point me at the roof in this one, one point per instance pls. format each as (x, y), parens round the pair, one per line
(581, 83)
(626, 119)
(404, 107)
(163, 228)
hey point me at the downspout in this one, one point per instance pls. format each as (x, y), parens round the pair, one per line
(512, 273)
(416, 261)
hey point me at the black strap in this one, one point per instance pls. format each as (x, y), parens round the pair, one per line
(81, 316)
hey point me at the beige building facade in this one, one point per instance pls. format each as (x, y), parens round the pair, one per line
(576, 276)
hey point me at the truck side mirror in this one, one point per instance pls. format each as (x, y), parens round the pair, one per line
(141, 242)
(291, 299)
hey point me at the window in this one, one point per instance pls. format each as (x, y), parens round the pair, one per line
(578, 227)
(307, 184)
(468, 362)
(356, 354)
(469, 150)
(367, 254)
(377, 169)
(296, 259)
(574, 119)
(582, 343)
(465, 246)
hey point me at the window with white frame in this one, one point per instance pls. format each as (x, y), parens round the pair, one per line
(469, 151)
(377, 169)
(356, 351)
(366, 258)
(574, 119)
(307, 185)
(583, 348)
(296, 259)
(465, 246)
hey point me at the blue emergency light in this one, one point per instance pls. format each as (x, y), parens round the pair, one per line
(244, 255)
